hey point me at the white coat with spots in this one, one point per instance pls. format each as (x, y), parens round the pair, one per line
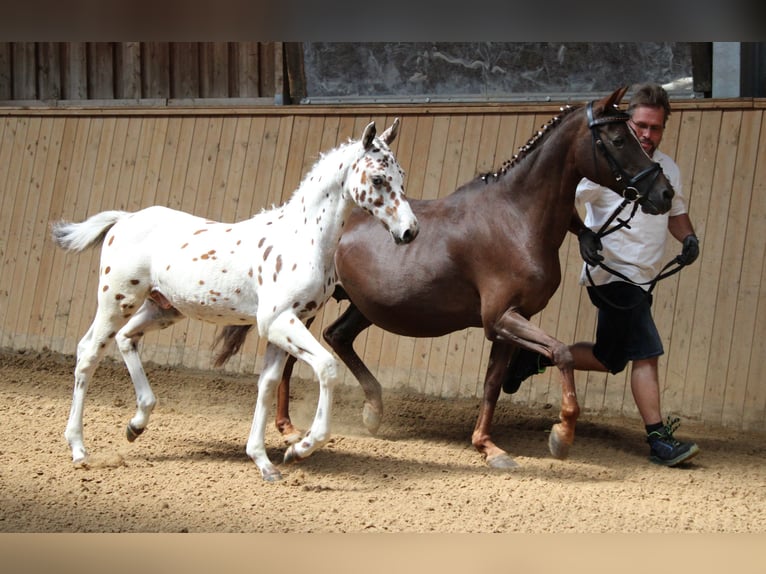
(275, 270)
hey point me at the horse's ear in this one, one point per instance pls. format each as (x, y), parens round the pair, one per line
(368, 135)
(615, 98)
(390, 134)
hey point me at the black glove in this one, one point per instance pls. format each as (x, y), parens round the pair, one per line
(590, 245)
(690, 251)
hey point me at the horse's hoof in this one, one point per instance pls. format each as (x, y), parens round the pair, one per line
(80, 461)
(371, 418)
(502, 462)
(132, 432)
(559, 443)
(291, 456)
(271, 475)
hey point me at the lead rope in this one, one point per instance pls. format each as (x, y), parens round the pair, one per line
(665, 272)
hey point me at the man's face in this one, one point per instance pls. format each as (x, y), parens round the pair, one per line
(649, 124)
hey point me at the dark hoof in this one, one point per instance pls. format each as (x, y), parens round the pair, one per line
(133, 433)
(502, 462)
(291, 456)
(558, 443)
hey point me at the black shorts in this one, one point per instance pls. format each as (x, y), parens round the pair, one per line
(625, 330)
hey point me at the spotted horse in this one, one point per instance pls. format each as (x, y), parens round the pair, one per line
(274, 270)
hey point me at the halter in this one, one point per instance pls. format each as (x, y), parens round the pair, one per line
(629, 193)
(629, 190)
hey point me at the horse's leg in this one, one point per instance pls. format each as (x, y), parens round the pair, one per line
(283, 423)
(273, 364)
(515, 328)
(499, 359)
(149, 317)
(90, 351)
(341, 336)
(291, 335)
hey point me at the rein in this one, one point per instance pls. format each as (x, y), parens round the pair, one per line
(630, 194)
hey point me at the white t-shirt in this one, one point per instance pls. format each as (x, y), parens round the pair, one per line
(637, 252)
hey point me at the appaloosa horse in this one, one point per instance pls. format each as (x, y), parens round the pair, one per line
(488, 256)
(275, 269)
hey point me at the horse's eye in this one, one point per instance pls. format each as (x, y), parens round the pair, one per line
(377, 180)
(619, 141)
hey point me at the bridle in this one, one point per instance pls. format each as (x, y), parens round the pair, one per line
(630, 194)
(629, 191)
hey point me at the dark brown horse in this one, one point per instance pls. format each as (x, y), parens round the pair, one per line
(488, 256)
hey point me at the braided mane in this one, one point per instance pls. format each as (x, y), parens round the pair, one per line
(530, 145)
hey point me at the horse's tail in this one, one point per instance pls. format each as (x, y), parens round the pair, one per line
(232, 336)
(89, 233)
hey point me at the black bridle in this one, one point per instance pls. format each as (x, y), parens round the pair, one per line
(630, 194)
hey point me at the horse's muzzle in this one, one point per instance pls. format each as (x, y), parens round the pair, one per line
(408, 235)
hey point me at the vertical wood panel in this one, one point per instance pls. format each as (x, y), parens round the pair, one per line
(100, 70)
(746, 265)
(155, 70)
(733, 229)
(184, 70)
(49, 71)
(24, 68)
(754, 402)
(14, 261)
(32, 230)
(39, 319)
(127, 59)
(6, 67)
(214, 70)
(707, 265)
(74, 71)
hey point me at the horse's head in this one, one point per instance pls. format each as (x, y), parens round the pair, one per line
(620, 162)
(376, 184)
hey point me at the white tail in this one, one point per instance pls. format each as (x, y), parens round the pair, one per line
(89, 233)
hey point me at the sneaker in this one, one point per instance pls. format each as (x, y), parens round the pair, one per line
(523, 365)
(666, 450)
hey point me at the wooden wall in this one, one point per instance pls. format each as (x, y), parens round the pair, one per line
(229, 163)
(111, 72)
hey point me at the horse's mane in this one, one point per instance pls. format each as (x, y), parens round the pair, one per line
(531, 145)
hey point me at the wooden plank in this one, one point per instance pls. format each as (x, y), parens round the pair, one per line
(245, 66)
(54, 322)
(127, 80)
(39, 319)
(18, 234)
(214, 69)
(24, 71)
(49, 71)
(754, 391)
(732, 227)
(709, 205)
(6, 67)
(155, 66)
(74, 84)
(676, 361)
(749, 221)
(184, 70)
(71, 290)
(100, 66)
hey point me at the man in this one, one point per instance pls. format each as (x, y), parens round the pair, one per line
(626, 330)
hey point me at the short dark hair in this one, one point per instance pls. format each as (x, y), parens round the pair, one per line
(652, 95)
